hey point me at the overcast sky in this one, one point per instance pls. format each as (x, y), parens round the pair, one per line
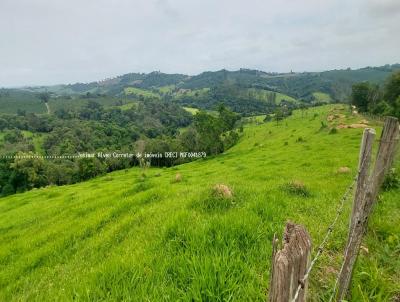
(66, 41)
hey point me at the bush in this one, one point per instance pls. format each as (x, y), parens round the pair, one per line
(382, 108)
(222, 191)
(141, 187)
(392, 180)
(296, 187)
(333, 131)
(231, 139)
(89, 168)
(177, 178)
(7, 190)
(268, 118)
(220, 198)
(323, 125)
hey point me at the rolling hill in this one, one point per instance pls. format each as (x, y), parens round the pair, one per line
(153, 236)
(334, 85)
(14, 100)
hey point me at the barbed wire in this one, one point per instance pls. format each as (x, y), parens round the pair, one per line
(328, 233)
(345, 255)
(330, 229)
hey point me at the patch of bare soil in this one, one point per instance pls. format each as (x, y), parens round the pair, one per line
(344, 170)
(332, 117)
(352, 126)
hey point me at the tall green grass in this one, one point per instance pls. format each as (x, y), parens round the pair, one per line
(124, 237)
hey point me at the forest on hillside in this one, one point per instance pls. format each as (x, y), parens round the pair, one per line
(27, 139)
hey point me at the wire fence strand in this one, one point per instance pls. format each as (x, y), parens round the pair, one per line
(328, 233)
(334, 290)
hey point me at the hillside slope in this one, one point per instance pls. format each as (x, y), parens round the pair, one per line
(334, 84)
(125, 237)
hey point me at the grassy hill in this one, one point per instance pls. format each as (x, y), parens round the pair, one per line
(322, 97)
(12, 100)
(140, 92)
(128, 237)
(76, 103)
(191, 110)
(335, 83)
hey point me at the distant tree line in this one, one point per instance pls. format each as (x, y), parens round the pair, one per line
(378, 100)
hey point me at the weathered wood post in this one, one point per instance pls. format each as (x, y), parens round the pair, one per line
(290, 264)
(386, 152)
(368, 186)
(363, 173)
(275, 242)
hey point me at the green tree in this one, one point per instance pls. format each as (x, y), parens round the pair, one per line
(89, 167)
(190, 140)
(28, 171)
(382, 108)
(209, 129)
(14, 136)
(227, 118)
(396, 107)
(21, 112)
(271, 99)
(8, 189)
(392, 88)
(361, 96)
(230, 139)
(279, 115)
(44, 97)
(3, 124)
(60, 172)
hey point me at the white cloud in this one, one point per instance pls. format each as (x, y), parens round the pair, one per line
(54, 41)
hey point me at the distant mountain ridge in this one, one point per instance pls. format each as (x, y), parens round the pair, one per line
(336, 83)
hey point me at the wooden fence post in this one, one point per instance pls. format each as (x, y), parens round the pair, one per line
(386, 152)
(290, 264)
(363, 175)
(367, 190)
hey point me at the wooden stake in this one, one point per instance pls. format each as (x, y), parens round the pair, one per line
(290, 264)
(363, 175)
(366, 193)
